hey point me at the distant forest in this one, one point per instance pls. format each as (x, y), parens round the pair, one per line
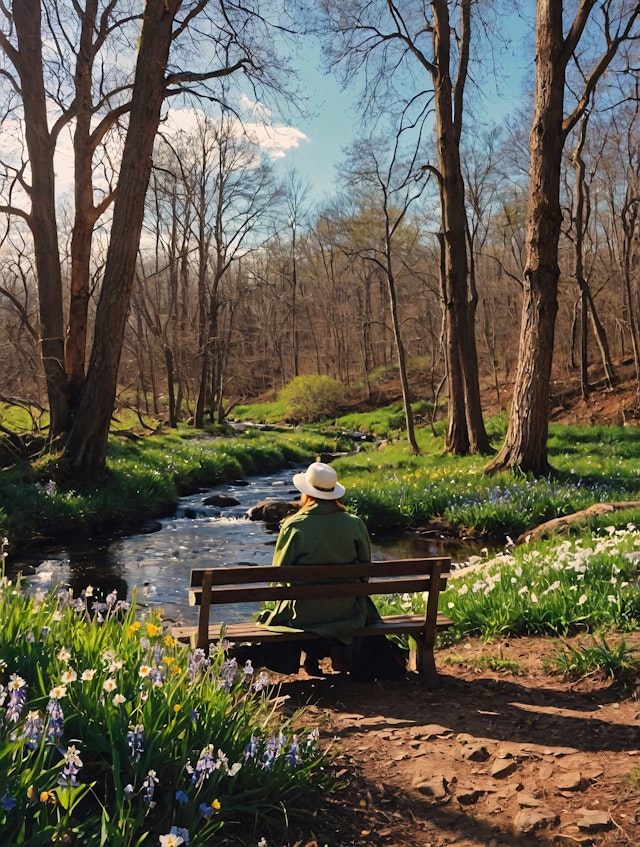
(185, 277)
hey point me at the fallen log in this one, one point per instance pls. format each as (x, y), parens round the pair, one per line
(557, 525)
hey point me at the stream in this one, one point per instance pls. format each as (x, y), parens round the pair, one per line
(157, 564)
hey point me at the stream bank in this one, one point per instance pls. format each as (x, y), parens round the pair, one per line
(156, 565)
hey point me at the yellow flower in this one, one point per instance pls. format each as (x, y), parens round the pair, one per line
(169, 640)
(153, 629)
(177, 707)
(168, 659)
(134, 627)
(215, 805)
(31, 792)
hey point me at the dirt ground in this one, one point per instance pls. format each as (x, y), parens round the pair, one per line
(491, 758)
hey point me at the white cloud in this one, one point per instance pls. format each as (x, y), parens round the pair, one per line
(274, 139)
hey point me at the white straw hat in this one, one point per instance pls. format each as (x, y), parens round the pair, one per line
(319, 481)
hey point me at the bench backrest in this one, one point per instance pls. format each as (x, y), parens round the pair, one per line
(246, 583)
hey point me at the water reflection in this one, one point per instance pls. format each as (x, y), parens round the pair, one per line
(156, 565)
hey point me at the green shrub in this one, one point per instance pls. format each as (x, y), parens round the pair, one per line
(311, 398)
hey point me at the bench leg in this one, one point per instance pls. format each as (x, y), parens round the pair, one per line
(427, 667)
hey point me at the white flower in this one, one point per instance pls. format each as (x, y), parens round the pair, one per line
(611, 598)
(110, 684)
(69, 676)
(58, 692)
(88, 674)
(582, 599)
(64, 655)
(119, 699)
(534, 599)
(72, 756)
(171, 840)
(451, 605)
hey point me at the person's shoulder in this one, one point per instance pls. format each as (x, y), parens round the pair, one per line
(294, 519)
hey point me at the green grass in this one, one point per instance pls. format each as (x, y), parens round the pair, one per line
(391, 489)
(619, 663)
(554, 588)
(261, 413)
(145, 479)
(493, 663)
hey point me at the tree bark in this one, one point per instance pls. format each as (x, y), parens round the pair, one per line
(466, 432)
(525, 446)
(86, 448)
(28, 60)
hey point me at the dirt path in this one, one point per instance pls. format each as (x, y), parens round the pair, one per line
(492, 758)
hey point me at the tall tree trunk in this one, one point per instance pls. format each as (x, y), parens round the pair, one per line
(86, 449)
(42, 219)
(525, 446)
(402, 362)
(466, 431)
(587, 306)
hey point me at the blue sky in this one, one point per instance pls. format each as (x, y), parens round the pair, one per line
(318, 143)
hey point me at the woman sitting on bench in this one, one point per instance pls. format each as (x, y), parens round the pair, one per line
(323, 532)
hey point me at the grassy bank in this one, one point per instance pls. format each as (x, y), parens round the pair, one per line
(146, 476)
(388, 487)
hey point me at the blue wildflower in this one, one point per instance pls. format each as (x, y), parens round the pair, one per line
(182, 797)
(8, 802)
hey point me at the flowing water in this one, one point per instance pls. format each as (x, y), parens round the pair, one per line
(157, 564)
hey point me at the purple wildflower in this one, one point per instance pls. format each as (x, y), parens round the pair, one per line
(251, 750)
(135, 740)
(55, 721)
(32, 730)
(293, 754)
(228, 673)
(17, 699)
(72, 764)
(261, 682)
(198, 663)
(205, 765)
(149, 786)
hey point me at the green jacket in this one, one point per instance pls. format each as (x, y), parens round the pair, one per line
(322, 534)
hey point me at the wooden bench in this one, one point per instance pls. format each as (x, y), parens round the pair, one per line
(259, 583)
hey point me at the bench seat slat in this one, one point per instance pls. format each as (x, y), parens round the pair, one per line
(250, 632)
